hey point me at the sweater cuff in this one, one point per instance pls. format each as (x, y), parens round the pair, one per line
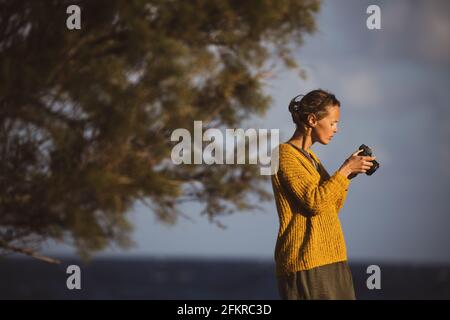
(343, 181)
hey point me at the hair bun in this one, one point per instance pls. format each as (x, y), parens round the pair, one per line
(294, 105)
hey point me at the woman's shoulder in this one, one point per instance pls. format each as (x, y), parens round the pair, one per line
(286, 148)
(288, 153)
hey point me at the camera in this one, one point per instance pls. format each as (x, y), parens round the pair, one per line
(368, 152)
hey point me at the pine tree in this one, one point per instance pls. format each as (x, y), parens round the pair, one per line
(86, 115)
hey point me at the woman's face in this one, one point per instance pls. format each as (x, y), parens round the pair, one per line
(326, 127)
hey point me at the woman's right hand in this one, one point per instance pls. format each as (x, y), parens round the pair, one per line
(356, 164)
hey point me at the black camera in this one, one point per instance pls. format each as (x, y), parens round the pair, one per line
(368, 152)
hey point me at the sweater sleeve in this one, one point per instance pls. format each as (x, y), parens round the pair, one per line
(341, 200)
(316, 197)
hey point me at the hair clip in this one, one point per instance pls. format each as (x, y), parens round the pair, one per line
(294, 102)
(295, 99)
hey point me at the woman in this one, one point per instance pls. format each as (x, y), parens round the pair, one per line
(310, 252)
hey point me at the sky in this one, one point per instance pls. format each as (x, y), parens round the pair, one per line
(393, 87)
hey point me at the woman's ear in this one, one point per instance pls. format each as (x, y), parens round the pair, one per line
(312, 120)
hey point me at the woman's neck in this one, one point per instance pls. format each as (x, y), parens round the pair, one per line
(302, 139)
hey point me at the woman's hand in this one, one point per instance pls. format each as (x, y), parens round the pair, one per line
(356, 164)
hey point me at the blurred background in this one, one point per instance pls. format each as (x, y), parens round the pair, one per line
(85, 143)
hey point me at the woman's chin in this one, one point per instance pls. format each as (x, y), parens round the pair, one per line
(324, 140)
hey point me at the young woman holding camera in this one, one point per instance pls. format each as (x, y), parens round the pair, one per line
(310, 252)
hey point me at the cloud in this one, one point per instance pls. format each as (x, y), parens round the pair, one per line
(417, 30)
(411, 30)
(361, 89)
(434, 39)
(444, 155)
(428, 29)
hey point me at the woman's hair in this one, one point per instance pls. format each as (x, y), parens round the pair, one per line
(315, 102)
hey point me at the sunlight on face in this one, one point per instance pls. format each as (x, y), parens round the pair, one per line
(327, 127)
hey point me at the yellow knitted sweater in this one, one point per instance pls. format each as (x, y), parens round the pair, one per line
(308, 203)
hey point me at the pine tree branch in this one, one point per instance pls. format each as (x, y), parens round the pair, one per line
(29, 252)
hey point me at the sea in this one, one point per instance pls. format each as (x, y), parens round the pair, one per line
(198, 278)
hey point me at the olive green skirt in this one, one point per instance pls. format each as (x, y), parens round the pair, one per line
(329, 282)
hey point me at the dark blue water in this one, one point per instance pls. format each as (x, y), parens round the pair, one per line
(146, 278)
